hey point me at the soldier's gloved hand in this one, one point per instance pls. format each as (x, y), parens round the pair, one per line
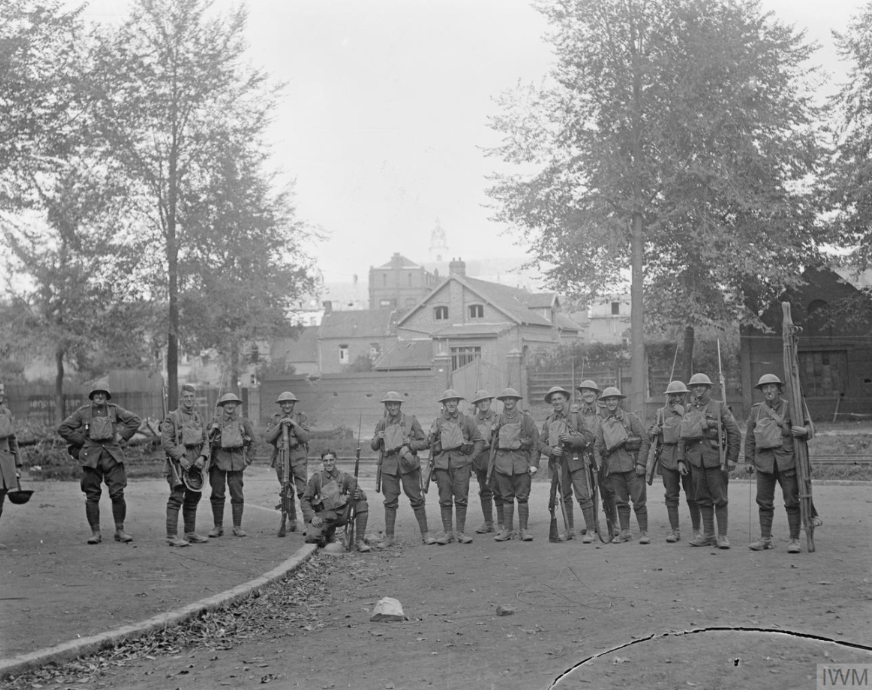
(466, 448)
(682, 468)
(711, 423)
(799, 431)
(557, 452)
(640, 470)
(749, 468)
(564, 439)
(655, 430)
(533, 470)
(316, 521)
(185, 463)
(215, 427)
(200, 463)
(357, 495)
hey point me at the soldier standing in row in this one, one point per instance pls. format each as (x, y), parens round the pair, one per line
(398, 438)
(95, 433)
(591, 414)
(9, 458)
(698, 448)
(184, 440)
(488, 492)
(329, 497)
(769, 449)
(515, 464)
(562, 440)
(667, 427)
(621, 448)
(454, 440)
(298, 440)
(231, 440)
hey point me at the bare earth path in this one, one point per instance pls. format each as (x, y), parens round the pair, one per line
(587, 616)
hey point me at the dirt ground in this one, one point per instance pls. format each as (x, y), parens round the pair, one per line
(586, 616)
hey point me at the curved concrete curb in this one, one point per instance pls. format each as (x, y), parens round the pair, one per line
(90, 645)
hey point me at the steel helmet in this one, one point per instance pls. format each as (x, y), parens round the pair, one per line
(769, 378)
(699, 380)
(676, 387)
(557, 389)
(451, 394)
(99, 388)
(481, 395)
(612, 392)
(508, 393)
(392, 396)
(590, 385)
(287, 396)
(193, 479)
(229, 397)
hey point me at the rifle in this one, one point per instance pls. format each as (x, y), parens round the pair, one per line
(656, 450)
(557, 472)
(606, 499)
(492, 456)
(593, 484)
(381, 457)
(349, 522)
(807, 511)
(721, 450)
(287, 500)
(553, 535)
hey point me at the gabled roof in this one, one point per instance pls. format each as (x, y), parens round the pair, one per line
(406, 263)
(539, 300)
(303, 348)
(564, 323)
(511, 301)
(406, 354)
(359, 323)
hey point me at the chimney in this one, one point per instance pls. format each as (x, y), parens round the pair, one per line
(457, 267)
(328, 306)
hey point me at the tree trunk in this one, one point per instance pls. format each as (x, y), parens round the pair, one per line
(687, 364)
(60, 412)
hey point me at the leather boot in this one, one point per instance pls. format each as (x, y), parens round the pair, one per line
(498, 507)
(189, 517)
(761, 544)
(722, 520)
(92, 514)
(695, 516)
(121, 535)
(793, 546)
(794, 525)
(172, 521)
(237, 520)
(624, 518)
(447, 535)
(505, 532)
(590, 528)
(642, 518)
(643, 537)
(119, 510)
(217, 520)
(488, 512)
(421, 517)
(673, 536)
(390, 522)
(360, 520)
(672, 512)
(523, 519)
(176, 540)
(461, 535)
(708, 525)
(95, 537)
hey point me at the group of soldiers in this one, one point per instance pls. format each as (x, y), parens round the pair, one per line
(590, 445)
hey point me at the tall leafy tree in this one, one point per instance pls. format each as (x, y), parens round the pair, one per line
(173, 85)
(674, 141)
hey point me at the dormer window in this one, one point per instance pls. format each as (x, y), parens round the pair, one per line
(440, 313)
(476, 311)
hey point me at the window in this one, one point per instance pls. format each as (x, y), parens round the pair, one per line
(440, 313)
(461, 356)
(616, 308)
(374, 351)
(476, 311)
(384, 303)
(343, 354)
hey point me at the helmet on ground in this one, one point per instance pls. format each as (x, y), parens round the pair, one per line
(590, 385)
(392, 396)
(769, 378)
(481, 395)
(193, 479)
(287, 396)
(229, 397)
(99, 388)
(508, 393)
(699, 380)
(612, 392)
(557, 389)
(451, 394)
(676, 387)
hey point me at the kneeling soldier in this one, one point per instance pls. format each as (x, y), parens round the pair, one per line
(330, 497)
(769, 449)
(621, 447)
(184, 440)
(95, 432)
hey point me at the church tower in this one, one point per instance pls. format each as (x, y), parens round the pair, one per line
(438, 243)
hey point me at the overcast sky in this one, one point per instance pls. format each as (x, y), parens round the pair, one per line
(386, 112)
